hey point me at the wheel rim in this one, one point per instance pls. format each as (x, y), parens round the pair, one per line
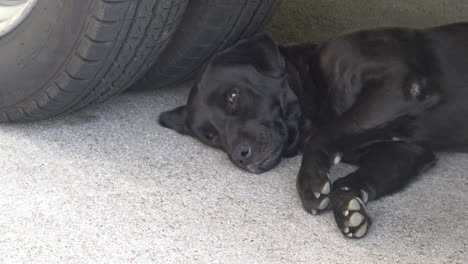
(12, 13)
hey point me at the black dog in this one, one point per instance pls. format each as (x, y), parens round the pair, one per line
(381, 99)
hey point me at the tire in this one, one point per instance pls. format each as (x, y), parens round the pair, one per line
(208, 26)
(68, 54)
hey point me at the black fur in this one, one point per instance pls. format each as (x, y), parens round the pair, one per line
(382, 99)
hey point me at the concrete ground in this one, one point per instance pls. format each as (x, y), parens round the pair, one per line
(108, 185)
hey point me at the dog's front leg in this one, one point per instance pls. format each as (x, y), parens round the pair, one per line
(383, 168)
(372, 110)
(313, 182)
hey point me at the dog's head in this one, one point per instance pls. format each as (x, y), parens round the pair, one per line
(242, 103)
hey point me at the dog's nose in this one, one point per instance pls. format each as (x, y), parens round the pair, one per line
(242, 153)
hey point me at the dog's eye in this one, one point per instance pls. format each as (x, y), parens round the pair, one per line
(210, 136)
(232, 96)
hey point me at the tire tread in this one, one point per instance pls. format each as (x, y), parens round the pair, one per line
(121, 39)
(181, 62)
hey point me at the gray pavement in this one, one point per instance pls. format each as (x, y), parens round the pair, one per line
(108, 185)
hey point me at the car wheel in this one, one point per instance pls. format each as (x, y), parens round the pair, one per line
(208, 26)
(58, 56)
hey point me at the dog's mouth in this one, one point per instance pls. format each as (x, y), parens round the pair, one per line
(271, 160)
(267, 151)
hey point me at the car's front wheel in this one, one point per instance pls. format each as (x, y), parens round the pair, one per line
(57, 56)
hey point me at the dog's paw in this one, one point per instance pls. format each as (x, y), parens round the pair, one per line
(351, 216)
(315, 193)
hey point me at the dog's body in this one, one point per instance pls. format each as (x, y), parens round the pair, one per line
(382, 99)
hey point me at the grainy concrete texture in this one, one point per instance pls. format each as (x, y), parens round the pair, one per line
(108, 185)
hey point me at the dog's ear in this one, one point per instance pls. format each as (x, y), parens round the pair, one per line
(174, 119)
(299, 54)
(293, 118)
(270, 61)
(259, 51)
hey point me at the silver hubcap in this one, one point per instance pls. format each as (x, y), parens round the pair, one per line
(12, 13)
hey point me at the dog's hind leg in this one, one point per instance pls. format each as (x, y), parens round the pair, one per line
(384, 168)
(360, 125)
